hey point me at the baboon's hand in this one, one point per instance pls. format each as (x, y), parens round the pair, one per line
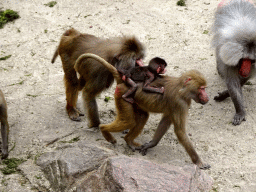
(221, 96)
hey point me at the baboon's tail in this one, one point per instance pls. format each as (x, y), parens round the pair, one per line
(110, 67)
(66, 38)
(55, 55)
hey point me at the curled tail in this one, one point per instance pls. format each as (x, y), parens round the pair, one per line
(110, 67)
(66, 39)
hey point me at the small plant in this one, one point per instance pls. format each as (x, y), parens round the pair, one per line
(87, 16)
(38, 177)
(32, 95)
(106, 99)
(5, 57)
(74, 140)
(7, 16)
(51, 3)
(19, 83)
(11, 165)
(181, 3)
(205, 32)
(248, 83)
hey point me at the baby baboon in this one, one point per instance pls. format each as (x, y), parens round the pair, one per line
(173, 104)
(235, 44)
(4, 125)
(122, 52)
(146, 75)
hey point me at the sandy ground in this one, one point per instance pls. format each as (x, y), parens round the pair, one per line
(35, 91)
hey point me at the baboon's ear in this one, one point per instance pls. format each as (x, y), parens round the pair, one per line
(187, 80)
(231, 53)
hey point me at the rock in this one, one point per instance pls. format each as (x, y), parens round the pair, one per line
(131, 174)
(36, 177)
(63, 167)
(85, 167)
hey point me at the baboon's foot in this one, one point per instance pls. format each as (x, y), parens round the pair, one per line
(133, 145)
(108, 136)
(74, 114)
(203, 166)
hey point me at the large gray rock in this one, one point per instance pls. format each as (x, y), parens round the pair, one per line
(132, 174)
(64, 166)
(84, 167)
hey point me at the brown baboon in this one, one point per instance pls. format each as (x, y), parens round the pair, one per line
(4, 125)
(123, 52)
(144, 74)
(173, 104)
(234, 40)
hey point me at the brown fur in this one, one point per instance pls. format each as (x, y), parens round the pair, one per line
(174, 105)
(4, 125)
(94, 78)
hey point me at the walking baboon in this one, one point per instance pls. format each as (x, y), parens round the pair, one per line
(235, 44)
(145, 74)
(4, 125)
(123, 52)
(173, 104)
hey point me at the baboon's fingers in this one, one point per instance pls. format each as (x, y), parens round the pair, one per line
(238, 118)
(221, 96)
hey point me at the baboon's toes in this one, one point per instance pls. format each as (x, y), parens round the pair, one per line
(74, 114)
(113, 141)
(205, 166)
(132, 148)
(133, 145)
(74, 118)
(238, 118)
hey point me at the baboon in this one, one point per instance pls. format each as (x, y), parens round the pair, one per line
(4, 125)
(145, 74)
(173, 104)
(234, 41)
(123, 52)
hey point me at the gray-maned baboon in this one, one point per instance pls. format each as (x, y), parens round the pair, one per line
(173, 104)
(235, 44)
(4, 125)
(123, 52)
